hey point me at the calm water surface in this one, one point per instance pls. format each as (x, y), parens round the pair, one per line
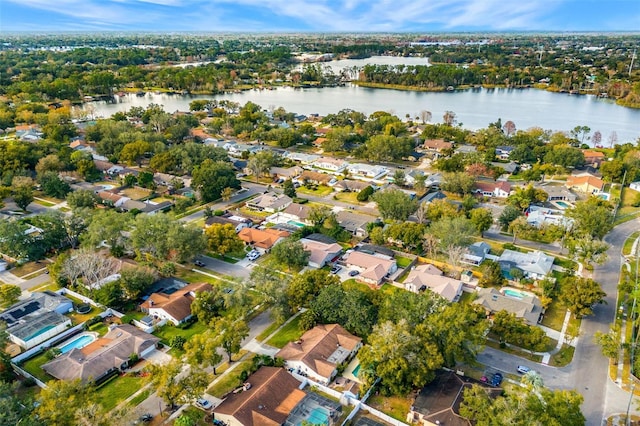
(474, 108)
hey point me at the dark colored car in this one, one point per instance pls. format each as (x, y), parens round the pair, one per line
(353, 273)
(496, 380)
(199, 263)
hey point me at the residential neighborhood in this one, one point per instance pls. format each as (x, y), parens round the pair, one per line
(238, 264)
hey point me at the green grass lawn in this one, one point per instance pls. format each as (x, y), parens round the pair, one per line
(402, 262)
(563, 356)
(230, 381)
(288, 333)
(28, 269)
(43, 203)
(515, 351)
(267, 331)
(565, 263)
(320, 191)
(467, 297)
(117, 390)
(168, 332)
(195, 277)
(34, 366)
(348, 197)
(628, 244)
(140, 397)
(554, 316)
(395, 406)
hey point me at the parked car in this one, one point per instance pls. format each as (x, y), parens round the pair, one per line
(523, 369)
(253, 255)
(353, 273)
(199, 263)
(496, 379)
(204, 404)
(145, 418)
(336, 269)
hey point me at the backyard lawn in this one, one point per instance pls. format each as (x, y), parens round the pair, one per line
(288, 333)
(395, 406)
(34, 365)
(118, 389)
(403, 262)
(136, 193)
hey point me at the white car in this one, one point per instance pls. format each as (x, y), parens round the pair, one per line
(253, 255)
(204, 404)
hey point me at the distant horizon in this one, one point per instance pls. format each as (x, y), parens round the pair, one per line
(320, 16)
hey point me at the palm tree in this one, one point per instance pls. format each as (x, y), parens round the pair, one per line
(532, 380)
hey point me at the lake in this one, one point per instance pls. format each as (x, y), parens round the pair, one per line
(474, 108)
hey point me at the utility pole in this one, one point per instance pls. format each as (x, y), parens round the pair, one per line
(633, 57)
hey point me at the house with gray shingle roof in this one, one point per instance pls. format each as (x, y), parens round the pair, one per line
(527, 306)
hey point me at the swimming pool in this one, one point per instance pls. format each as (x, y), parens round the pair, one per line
(318, 416)
(295, 223)
(563, 204)
(77, 343)
(513, 293)
(39, 332)
(356, 370)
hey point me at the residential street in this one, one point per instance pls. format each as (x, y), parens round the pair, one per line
(225, 268)
(588, 372)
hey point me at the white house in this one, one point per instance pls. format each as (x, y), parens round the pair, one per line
(373, 268)
(368, 171)
(174, 307)
(332, 164)
(635, 186)
(429, 277)
(535, 265)
(320, 351)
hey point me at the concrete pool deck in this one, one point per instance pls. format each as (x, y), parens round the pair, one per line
(348, 372)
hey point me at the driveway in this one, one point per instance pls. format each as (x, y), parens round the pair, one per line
(251, 189)
(224, 268)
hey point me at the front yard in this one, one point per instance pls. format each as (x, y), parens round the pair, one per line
(231, 381)
(319, 191)
(168, 332)
(118, 389)
(289, 333)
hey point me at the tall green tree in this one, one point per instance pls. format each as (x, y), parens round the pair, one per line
(593, 217)
(395, 204)
(482, 219)
(211, 177)
(400, 356)
(222, 239)
(306, 286)
(9, 294)
(232, 332)
(202, 350)
(290, 253)
(580, 294)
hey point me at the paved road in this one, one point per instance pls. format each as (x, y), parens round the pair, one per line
(588, 372)
(252, 189)
(591, 378)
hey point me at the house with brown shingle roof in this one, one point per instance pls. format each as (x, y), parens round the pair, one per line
(320, 253)
(427, 276)
(111, 199)
(585, 182)
(320, 351)
(269, 202)
(262, 239)
(273, 394)
(174, 307)
(106, 354)
(373, 268)
(437, 145)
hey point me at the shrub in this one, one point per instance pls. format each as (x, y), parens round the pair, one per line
(178, 342)
(365, 194)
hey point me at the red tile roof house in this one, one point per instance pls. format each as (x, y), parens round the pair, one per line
(500, 189)
(593, 158)
(174, 307)
(373, 268)
(269, 400)
(320, 351)
(263, 239)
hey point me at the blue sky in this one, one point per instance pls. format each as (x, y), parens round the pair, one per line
(320, 15)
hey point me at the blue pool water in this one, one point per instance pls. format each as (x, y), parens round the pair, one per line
(295, 223)
(563, 204)
(355, 370)
(39, 332)
(513, 293)
(318, 416)
(78, 342)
